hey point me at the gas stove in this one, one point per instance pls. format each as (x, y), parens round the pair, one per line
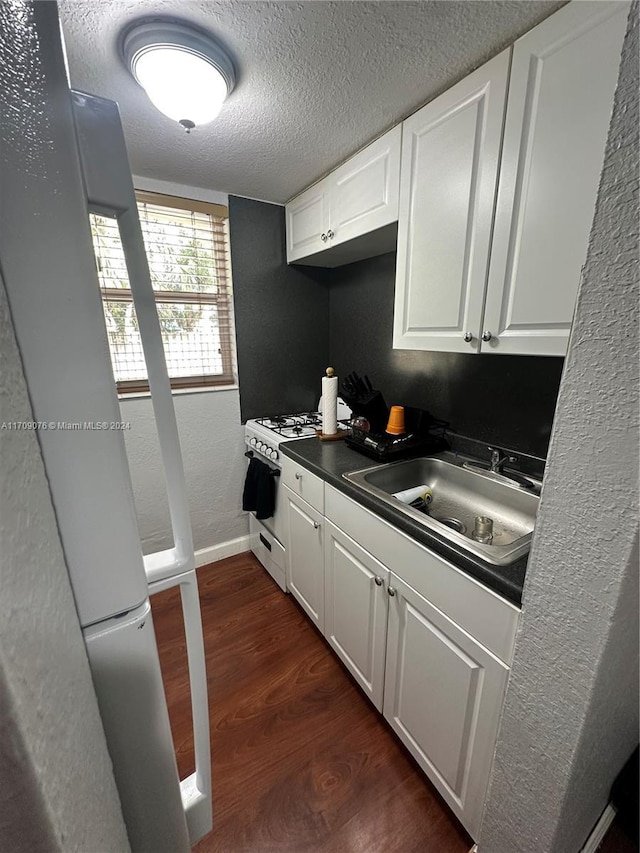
(264, 435)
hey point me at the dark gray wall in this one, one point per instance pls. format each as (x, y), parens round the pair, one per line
(291, 322)
(281, 314)
(508, 400)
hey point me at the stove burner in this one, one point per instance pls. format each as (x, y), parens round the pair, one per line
(302, 425)
(277, 422)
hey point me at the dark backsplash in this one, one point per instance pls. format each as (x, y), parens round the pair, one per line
(506, 400)
(281, 314)
(291, 322)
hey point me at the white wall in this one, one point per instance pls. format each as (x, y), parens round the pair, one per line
(212, 440)
(57, 791)
(571, 714)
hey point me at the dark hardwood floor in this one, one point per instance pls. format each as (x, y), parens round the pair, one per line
(301, 760)
(615, 841)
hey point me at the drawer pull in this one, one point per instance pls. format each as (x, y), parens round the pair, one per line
(298, 476)
(391, 591)
(316, 525)
(265, 542)
(378, 581)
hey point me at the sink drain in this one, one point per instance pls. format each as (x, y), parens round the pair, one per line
(453, 523)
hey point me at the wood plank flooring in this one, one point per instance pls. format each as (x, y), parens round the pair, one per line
(301, 760)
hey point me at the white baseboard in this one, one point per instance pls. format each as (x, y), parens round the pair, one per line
(599, 830)
(225, 549)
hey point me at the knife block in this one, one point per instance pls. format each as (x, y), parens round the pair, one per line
(373, 408)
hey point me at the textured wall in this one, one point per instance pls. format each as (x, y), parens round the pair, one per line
(57, 791)
(282, 315)
(212, 441)
(571, 713)
(316, 82)
(453, 386)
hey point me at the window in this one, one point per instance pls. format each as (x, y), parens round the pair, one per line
(187, 249)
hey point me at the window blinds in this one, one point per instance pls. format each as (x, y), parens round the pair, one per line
(187, 248)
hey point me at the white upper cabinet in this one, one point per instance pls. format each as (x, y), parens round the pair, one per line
(307, 222)
(333, 222)
(450, 158)
(458, 289)
(561, 90)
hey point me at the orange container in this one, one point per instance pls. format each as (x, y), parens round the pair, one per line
(396, 421)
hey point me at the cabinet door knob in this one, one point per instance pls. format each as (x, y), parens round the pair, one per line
(298, 476)
(468, 337)
(391, 591)
(315, 525)
(486, 336)
(378, 581)
(324, 237)
(330, 234)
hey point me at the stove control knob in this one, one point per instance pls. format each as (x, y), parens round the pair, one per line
(274, 455)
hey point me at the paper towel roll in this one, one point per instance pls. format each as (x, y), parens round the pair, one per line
(409, 495)
(329, 403)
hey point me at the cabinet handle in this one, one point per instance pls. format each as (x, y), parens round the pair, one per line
(298, 476)
(324, 237)
(391, 591)
(330, 234)
(486, 336)
(378, 581)
(468, 337)
(316, 525)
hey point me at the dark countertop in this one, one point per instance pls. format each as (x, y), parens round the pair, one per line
(331, 459)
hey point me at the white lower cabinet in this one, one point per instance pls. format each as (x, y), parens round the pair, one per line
(432, 655)
(356, 606)
(304, 555)
(443, 695)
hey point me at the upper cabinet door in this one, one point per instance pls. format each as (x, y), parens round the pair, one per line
(450, 154)
(563, 78)
(364, 193)
(307, 222)
(350, 214)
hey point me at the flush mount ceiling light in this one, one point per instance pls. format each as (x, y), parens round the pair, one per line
(186, 74)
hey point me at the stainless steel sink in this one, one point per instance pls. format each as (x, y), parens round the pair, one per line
(459, 495)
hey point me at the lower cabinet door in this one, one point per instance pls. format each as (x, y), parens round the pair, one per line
(443, 695)
(304, 555)
(355, 620)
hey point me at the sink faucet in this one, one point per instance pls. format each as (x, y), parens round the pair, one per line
(499, 459)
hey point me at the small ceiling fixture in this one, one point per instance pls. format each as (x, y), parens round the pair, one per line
(186, 74)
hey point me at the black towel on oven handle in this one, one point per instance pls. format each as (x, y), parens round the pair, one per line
(259, 494)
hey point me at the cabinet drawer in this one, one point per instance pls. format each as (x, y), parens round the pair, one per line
(303, 483)
(474, 607)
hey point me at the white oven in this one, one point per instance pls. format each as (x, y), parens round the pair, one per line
(263, 437)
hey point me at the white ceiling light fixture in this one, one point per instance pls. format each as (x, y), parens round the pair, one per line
(186, 74)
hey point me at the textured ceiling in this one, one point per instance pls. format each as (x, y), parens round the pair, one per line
(317, 80)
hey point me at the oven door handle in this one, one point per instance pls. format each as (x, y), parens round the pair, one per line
(265, 542)
(275, 472)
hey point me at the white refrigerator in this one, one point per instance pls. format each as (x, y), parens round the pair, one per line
(63, 156)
